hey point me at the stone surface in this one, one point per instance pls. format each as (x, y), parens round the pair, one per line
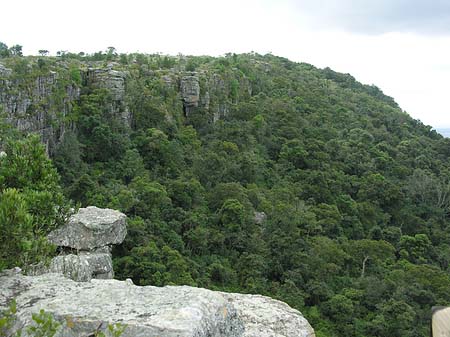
(31, 104)
(84, 266)
(91, 228)
(260, 217)
(108, 78)
(190, 91)
(146, 311)
(265, 317)
(115, 82)
(172, 311)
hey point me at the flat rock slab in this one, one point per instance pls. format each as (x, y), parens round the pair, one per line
(172, 311)
(91, 228)
(265, 317)
(146, 311)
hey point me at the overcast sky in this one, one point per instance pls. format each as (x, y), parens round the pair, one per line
(402, 46)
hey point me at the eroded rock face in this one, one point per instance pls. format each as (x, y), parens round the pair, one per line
(32, 105)
(91, 228)
(108, 78)
(148, 311)
(264, 316)
(259, 217)
(84, 266)
(190, 91)
(115, 82)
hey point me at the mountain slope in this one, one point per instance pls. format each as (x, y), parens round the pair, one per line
(355, 193)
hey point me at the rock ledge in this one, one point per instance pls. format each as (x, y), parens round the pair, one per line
(171, 311)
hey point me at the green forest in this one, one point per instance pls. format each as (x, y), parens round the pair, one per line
(293, 182)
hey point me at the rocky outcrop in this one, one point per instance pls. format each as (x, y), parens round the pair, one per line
(37, 103)
(190, 92)
(84, 266)
(108, 78)
(170, 311)
(41, 100)
(264, 316)
(114, 81)
(91, 228)
(85, 244)
(259, 217)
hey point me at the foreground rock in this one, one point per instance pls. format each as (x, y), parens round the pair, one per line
(91, 228)
(264, 316)
(82, 308)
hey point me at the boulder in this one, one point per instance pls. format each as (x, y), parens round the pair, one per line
(91, 228)
(259, 217)
(171, 311)
(84, 266)
(265, 317)
(82, 308)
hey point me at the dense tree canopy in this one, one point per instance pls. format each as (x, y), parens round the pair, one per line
(31, 202)
(355, 192)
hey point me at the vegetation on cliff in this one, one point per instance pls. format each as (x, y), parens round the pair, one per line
(31, 201)
(356, 193)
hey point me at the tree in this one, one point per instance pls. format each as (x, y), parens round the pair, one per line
(365, 251)
(4, 51)
(16, 50)
(31, 202)
(43, 52)
(415, 248)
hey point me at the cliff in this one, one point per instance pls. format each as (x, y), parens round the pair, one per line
(42, 95)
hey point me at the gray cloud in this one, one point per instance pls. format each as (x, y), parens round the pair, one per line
(379, 16)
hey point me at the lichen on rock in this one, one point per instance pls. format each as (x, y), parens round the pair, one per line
(171, 311)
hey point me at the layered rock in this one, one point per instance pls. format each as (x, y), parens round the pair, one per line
(91, 228)
(38, 103)
(115, 82)
(170, 311)
(108, 78)
(264, 316)
(84, 266)
(190, 92)
(85, 244)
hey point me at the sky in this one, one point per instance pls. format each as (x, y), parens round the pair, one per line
(401, 46)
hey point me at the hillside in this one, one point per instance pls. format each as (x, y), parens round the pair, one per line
(251, 173)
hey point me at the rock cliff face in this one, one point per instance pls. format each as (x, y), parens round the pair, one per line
(36, 103)
(41, 100)
(113, 81)
(190, 92)
(170, 311)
